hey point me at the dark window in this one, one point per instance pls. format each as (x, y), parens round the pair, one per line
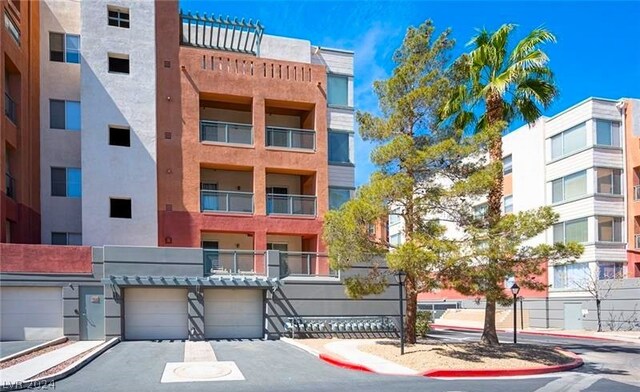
(58, 181)
(56, 114)
(120, 208)
(339, 147)
(56, 47)
(58, 238)
(119, 64)
(118, 17)
(119, 137)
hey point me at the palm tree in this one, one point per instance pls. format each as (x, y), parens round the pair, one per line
(501, 86)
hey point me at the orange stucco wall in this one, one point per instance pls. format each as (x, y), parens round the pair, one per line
(632, 157)
(22, 63)
(192, 74)
(507, 185)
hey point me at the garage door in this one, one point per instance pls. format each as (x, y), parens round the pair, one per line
(155, 314)
(30, 313)
(233, 313)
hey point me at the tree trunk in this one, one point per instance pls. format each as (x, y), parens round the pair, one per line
(598, 310)
(489, 334)
(495, 111)
(411, 296)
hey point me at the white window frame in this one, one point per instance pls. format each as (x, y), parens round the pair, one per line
(616, 220)
(507, 168)
(564, 230)
(564, 192)
(562, 136)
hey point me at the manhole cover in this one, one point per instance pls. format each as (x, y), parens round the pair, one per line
(201, 371)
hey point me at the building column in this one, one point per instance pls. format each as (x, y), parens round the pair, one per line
(113, 311)
(71, 311)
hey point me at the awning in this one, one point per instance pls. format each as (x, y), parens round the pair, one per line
(229, 281)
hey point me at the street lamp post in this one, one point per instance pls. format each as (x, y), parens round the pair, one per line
(400, 278)
(515, 289)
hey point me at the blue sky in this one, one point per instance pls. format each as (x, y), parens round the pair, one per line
(597, 54)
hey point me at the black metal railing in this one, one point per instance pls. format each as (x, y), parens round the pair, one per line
(226, 132)
(10, 108)
(291, 204)
(225, 262)
(304, 264)
(303, 139)
(226, 201)
(10, 184)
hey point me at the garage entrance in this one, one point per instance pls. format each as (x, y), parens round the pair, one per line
(234, 313)
(153, 314)
(30, 313)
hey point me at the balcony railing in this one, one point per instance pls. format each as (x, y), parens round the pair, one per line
(226, 201)
(12, 27)
(10, 108)
(226, 132)
(304, 264)
(291, 204)
(291, 138)
(636, 192)
(10, 184)
(637, 236)
(224, 262)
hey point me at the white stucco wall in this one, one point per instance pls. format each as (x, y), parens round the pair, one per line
(284, 48)
(125, 100)
(58, 148)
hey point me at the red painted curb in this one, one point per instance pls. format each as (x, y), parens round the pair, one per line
(576, 362)
(344, 364)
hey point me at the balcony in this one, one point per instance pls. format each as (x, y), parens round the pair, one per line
(302, 139)
(10, 184)
(636, 192)
(279, 204)
(226, 132)
(226, 201)
(10, 108)
(637, 238)
(304, 264)
(226, 191)
(12, 27)
(230, 262)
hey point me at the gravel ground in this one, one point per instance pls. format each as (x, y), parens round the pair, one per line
(428, 355)
(23, 358)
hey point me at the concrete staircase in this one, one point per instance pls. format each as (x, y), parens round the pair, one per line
(475, 318)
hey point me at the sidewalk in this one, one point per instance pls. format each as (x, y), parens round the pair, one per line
(348, 350)
(623, 336)
(29, 368)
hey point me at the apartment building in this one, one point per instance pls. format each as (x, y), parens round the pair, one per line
(20, 122)
(583, 162)
(186, 163)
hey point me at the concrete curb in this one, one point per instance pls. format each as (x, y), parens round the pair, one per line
(50, 343)
(456, 328)
(45, 381)
(349, 365)
(460, 373)
(541, 333)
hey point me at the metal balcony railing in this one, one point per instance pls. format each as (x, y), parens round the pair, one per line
(12, 27)
(10, 108)
(303, 139)
(291, 204)
(304, 264)
(226, 201)
(636, 192)
(226, 132)
(224, 262)
(10, 184)
(637, 237)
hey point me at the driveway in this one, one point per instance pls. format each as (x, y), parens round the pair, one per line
(15, 346)
(266, 365)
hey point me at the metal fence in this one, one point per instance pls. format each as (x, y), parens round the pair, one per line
(291, 138)
(291, 204)
(226, 132)
(226, 201)
(305, 264)
(220, 262)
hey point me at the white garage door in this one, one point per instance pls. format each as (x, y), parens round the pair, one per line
(155, 313)
(30, 313)
(233, 314)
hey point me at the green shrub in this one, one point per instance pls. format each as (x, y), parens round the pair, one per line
(423, 323)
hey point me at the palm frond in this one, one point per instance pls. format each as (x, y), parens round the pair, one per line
(531, 42)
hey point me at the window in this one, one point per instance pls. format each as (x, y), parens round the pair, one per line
(12, 27)
(394, 219)
(395, 239)
(64, 48)
(610, 270)
(508, 204)
(338, 196)
(569, 141)
(507, 165)
(570, 276)
(337, 90)
(571, 231)
(569, 187)
(609, 229)
(480, 211)
(118, 17)
(119, 63)
(120, 208)
(64, 115)
(66, 238)
(608, 181)
(607, 133)
(339, 147)
(66, 182)
(119, 137)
